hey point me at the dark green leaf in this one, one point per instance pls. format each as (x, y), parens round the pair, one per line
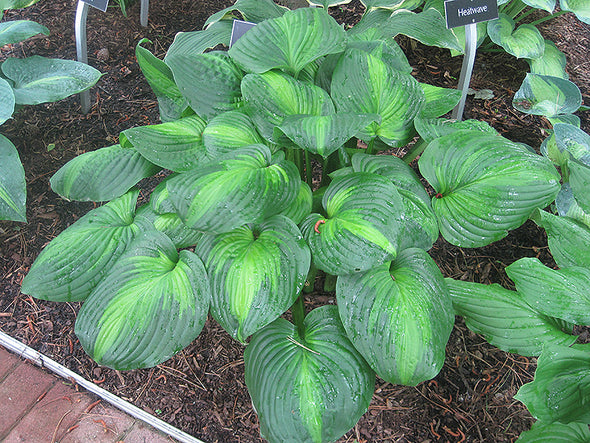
(13, 189)
(542, 432)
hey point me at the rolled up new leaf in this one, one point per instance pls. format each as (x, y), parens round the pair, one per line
(307, 389)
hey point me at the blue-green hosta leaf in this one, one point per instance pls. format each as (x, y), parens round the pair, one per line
(438, 101)
(152, 304)
(546, 5)
(569, 119)
(7, 101)
(19, 30)
(485, 185)
(567, 206)
(364, 84)
(324, 134)
(272, 96)
(564, 293)
(580, 183)
(362, 227)
(328, 3)
(160, 197)
(579, 7)
(16, 4)
(523, 42)
(561, 387)
(556, 432)
(196, 42)
(161, 80)
(39, 80)
(13, 188)
(210, 82)
(378, 44)
(552, 62)
(170, 224)
(289, 42)
(301, 206)
(430, 129)
(256, 273)
(504, 318)
(381, 4)
(570, 139)
(307, 389)
(399, 316)
(547, 95)
(253, 11)
(176, 145)
(74, 262)
(102, 174)
(227, 132)
(242, 189)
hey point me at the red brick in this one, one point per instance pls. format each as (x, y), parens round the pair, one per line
(8, 362)
(90, 426)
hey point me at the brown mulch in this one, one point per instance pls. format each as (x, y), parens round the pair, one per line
(202, 389)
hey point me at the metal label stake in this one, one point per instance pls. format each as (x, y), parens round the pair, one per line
(466, 68)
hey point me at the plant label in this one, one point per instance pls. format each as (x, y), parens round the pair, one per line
(239, 28)
(467, 12)
(98, 4)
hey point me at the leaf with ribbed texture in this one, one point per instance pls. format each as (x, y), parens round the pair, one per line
(253, 11)
(40, 80)
(13, 188)
(152, 304)
(328, 3)
(552, 62)
(161, 80)
(301, 206)
(432, 128)
(197, 42)
(362, 227)
(399, 316)
(210, 82)
(579, 179)
(384, 4)
(556, 433)
(324, 134)
(547, 95)
(485, 185)
(567, 206)
(564, 293)
(579, 7)
(307, 389)
(546, 5)
(567, 141)
(16, 31)
(160, 197)
(289, 42)
(256, 273)
(227, 132)
(364, 84)
(176, 145)
(438, 101)
(505, 319)
(245, 188)
(378, 44)
(523, 42)
(74, 262)
(568, 239)
(7, 101)
(561, 387)
(102, 174)
(272, 96)
(170, 224)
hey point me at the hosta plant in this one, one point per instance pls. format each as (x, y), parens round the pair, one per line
(273, 176)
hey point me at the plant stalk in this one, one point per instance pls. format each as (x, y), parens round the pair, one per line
(371, 147)
(308, 170)
(549, 17)
(415, 151)
(298, 312)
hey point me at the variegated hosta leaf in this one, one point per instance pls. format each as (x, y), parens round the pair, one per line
(7, 101)
(505, 319)
(324, 134)
(547, 95)
(160, 197)
(399, 316)
(579, 7)
(253, 11)
(101, 175)
(429, 129)
(542, 432)
(574, 141)
(364, 84)
(552, 62)
(227, 132)
(245, 188)
(568, 239)
(485, 185)
(547, 5)
(176, 145)
(383, 4)
(197, 42)
(377, 43)
(567, 206)
(289, 42)
(170, 224)
(272, 96)
(152, 304)
(13, 188)
(307, 389)
(523, 42)
(16, 31)
(301, 206)
(74, 262)
(364, 213)
(328, 3)
(438, 101)
(580, 183)
(210, 82)
(561, 387)
(256, 272)
(563, 294)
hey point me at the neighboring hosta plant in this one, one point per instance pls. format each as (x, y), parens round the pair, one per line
(245, 132)
(30, 81)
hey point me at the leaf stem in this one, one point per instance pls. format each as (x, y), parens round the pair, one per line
(298, 312)
(308, 170)
(330, 283)
(549, 17)
(415, 151)
(371, 147)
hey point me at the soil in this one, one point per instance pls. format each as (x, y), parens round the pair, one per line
(202, 389)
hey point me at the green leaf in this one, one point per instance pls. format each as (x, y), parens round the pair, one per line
(505, 319)
(567, 206)
(13, 188)
(438, 101)
(430, 129)
(176, 145)
(552, 62)
(485, 185)
(7, 100)
(210, 82)
(242, 189)
(563, 294)
(192, 43)
(399, 316)
(546, 5)
(74, 262)
(160, 78)
(19, 30)
(256, 273)
(328, 3)
(561, 386)
(152, 304)
(102, 174)
(362, 226)
(574, 141)
(40, 80)
(170, 224)
(542, 432)
(363, 84)
(16, 4)
(289, 42)
(547, 95)
(580, 183)
(307, 389)
(253, 11)
(523, 42)
(301, 206)
(579, 7)
(379, 44)
(383, 4)
(227, 132)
